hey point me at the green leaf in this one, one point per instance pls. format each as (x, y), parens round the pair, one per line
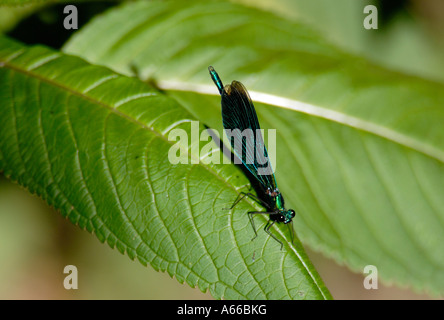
(95, 145)
(360, 149)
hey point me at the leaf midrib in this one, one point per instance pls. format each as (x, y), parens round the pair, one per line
(322, 113)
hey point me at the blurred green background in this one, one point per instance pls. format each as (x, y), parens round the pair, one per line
(36, 242)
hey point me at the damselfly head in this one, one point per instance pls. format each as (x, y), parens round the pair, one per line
(285, 216)
(289, 216)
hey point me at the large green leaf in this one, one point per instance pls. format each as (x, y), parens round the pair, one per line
(95, 145)
(360, 148)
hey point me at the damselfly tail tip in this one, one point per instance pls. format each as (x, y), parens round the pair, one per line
(216, 79)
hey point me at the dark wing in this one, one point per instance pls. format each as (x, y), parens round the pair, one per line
(238, 113)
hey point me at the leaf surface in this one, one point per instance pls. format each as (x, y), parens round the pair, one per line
(360, 149)
(95, 144)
